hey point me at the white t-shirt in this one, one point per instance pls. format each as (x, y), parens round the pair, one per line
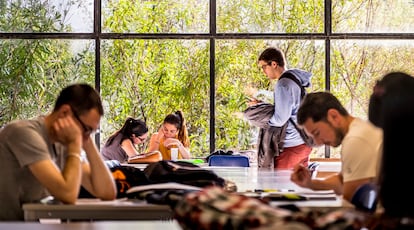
(361, 150)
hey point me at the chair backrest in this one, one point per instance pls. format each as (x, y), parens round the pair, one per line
(366, 197)
(229, 160)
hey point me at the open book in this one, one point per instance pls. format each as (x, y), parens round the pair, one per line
(148, 157)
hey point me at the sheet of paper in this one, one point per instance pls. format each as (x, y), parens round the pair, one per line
(94, 201)
(169, 185)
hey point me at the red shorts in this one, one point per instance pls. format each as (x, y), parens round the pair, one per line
(292, 156)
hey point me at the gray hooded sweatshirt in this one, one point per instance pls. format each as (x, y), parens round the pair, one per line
(287, 98)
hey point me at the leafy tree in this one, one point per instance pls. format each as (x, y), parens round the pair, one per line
(150, 77)
(32, 72)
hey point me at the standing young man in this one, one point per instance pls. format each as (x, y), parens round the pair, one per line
(42, 157)
(287, 98)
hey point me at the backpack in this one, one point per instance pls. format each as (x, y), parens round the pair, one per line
(307, 139)
(182, 172)
(174, 179)
(127, 177)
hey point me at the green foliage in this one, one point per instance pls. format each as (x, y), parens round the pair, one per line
(32, 72)
(156, 16)
(150, 78)
(275, 16)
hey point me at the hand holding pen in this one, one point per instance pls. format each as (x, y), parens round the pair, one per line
(302, 176)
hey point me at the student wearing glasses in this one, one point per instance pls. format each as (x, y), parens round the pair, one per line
(42, 157)
(172, 133)
(287, 97)
(122, 144)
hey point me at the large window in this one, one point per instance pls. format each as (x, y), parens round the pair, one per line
(151, 58)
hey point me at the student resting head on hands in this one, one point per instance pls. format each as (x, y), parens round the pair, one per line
(42, 157)
(122, 144)
(172, 133)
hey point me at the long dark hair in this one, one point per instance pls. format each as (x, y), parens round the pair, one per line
(131, 126)
(391, 107)
(177, 119)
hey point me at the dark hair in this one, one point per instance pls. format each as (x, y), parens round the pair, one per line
(131, 126)
(81, 97)
(177, 119)
(273, 54)
(315, 105)
(392, 82)
(391, 107)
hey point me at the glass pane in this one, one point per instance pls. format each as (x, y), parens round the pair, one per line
(34, 71)
(356, 65)
(149, 79)
(264, 16)
(237, 70)
(46, 16)
(163, 16)
(360, 16)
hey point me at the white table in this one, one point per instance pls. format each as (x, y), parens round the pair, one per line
(95, 209)
(251, 179)
(245, 178)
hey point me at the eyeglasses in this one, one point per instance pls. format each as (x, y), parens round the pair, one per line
(263, 67)
(87, 130)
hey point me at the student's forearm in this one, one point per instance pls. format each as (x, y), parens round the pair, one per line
(98, 175)
(72, 175)
(329, 183)
(63, 185)
(185, 153)
(154, 143)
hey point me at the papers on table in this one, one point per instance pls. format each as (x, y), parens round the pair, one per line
(320, 195)
(95, 201)
(162, 186)
(291, 195)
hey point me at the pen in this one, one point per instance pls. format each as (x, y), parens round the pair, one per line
(313, 166)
